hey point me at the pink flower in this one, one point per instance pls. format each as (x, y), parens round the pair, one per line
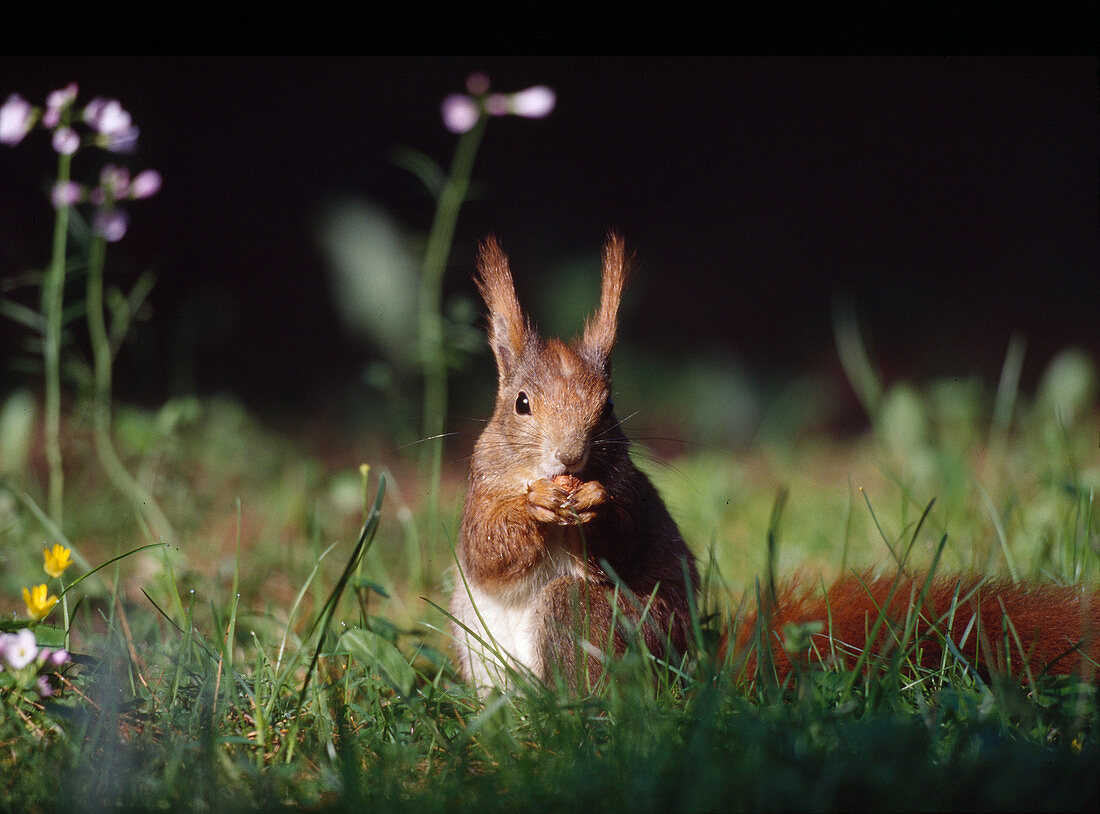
(460, 113)
(42, 687)
(110, 223)
(67, 194)
(53, 658)
(16, 120)
(66, 141)
(59, 658)
(145, 184)
(56, 102)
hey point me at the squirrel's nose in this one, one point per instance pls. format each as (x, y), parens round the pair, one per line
(572, 457)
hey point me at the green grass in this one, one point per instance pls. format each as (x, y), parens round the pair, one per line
(277, 657)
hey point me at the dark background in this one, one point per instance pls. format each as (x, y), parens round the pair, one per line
(953, 200)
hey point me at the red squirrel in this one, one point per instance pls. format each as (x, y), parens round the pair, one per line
(565, 544)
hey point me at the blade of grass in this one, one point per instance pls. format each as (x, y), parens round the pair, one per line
(880, 620)
(999, 527)
(324, 618)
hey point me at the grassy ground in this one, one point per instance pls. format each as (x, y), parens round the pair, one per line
(257, 662)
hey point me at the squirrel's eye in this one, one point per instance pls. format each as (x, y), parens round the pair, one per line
(523, 404)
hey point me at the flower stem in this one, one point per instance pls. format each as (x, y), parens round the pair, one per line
(432, 352)
(64, 609)
(53, 291)
(103, 358)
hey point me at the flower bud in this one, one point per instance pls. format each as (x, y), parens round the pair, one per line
(56, 102)
(65, 141)
(66, 194)
(477, 83)
(42, 687)
(145, 184)
(111, 224)
(115, 181)
(497, 104)
(460, 113)
(16, 120)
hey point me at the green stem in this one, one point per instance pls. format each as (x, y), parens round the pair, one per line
(64, 610)
(432, 352)
(53, 290)
(103, 358)
(97, 327)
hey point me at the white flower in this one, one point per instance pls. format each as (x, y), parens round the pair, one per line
(17, 650)
(124, 141)
(66, 141)
(460, 113)
(107, 116)
(16, 120)
(114, 125)
(534, 102)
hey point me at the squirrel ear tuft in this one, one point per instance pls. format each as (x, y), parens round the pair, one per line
(508, 328)
(599, 331)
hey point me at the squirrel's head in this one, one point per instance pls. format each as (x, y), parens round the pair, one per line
(553, 413)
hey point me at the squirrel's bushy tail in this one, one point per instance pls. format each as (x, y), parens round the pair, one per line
(997, 627)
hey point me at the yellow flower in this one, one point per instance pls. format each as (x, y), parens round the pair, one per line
(38, 600)
(57, 560)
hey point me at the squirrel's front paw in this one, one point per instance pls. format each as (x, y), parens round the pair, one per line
(564, 500)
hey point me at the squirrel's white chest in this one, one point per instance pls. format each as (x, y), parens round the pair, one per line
(510, 633)
(508, 621)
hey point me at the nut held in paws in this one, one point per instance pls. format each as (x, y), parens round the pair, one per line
(570, 483)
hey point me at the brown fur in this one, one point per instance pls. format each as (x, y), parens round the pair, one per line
(532, 542)
(1019, 629)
